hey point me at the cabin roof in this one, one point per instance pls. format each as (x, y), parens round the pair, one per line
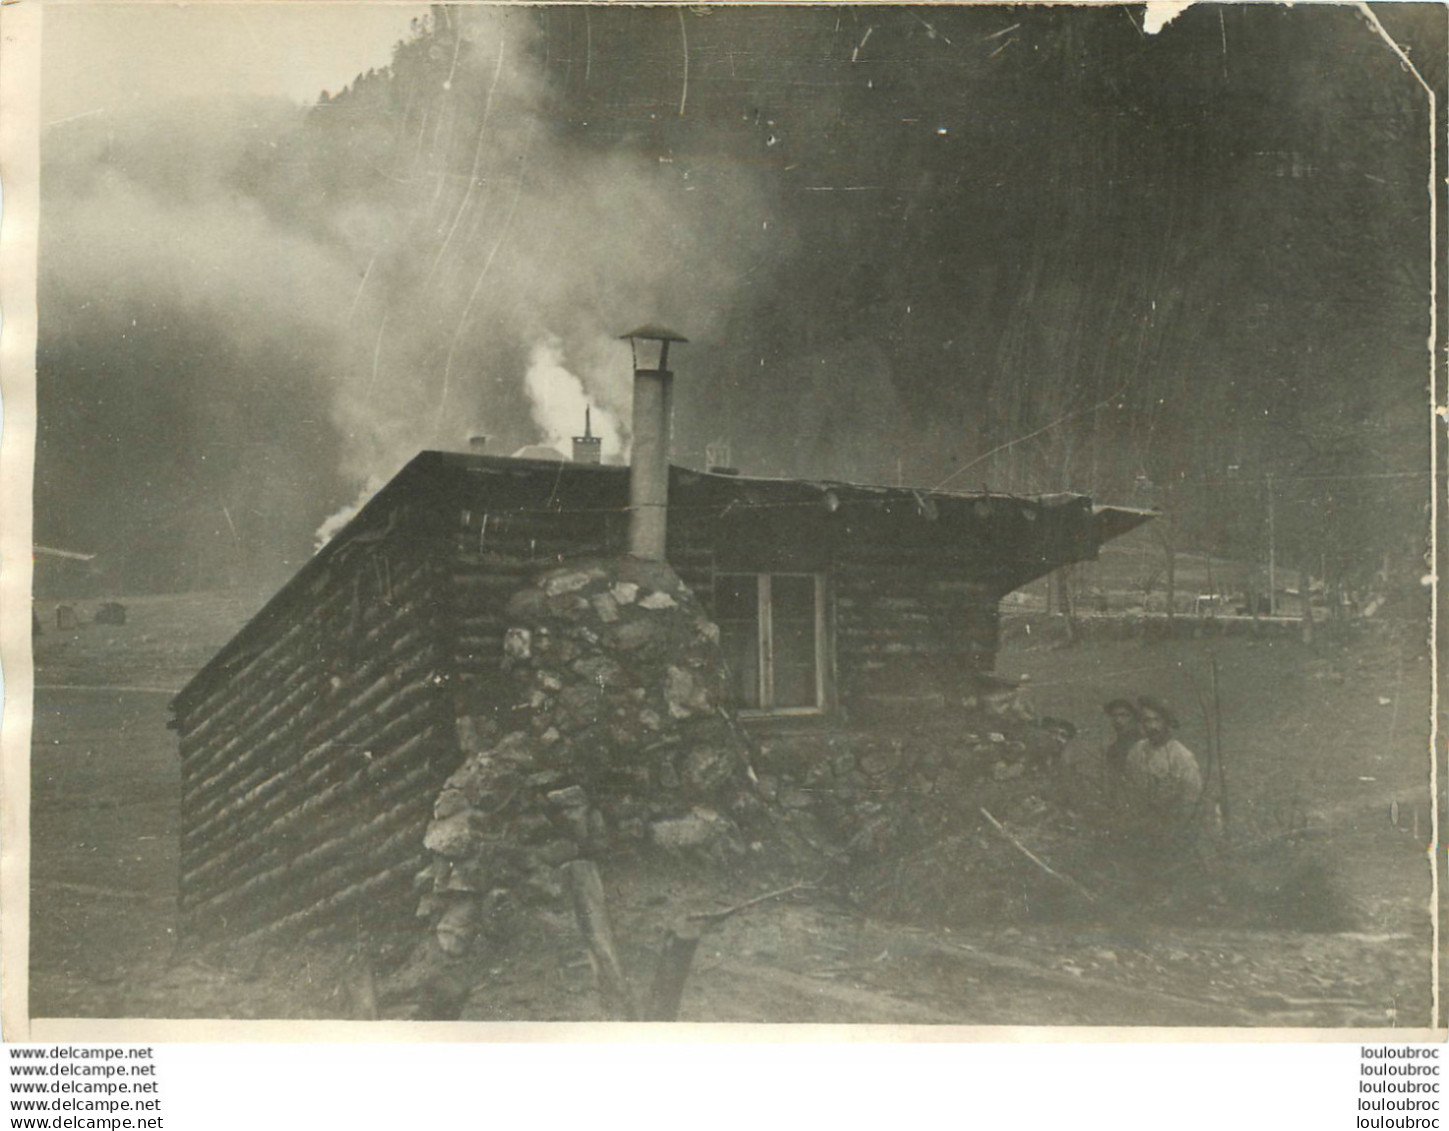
(434, 480)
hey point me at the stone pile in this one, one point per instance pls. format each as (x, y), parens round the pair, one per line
(901, 810)
(602, 734)
(866, 790)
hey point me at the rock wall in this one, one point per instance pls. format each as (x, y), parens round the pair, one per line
(602, 733)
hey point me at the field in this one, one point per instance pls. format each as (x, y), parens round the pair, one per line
(1324, 743)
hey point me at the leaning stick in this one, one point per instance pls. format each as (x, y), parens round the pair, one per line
(592, 913)
(1037, 860)
(713, 917)
(746, 747)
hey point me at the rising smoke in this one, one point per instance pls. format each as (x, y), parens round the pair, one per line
(515, 247)
(559, 400)
(307, 298)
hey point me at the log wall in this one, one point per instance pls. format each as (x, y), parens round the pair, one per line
(309, 763)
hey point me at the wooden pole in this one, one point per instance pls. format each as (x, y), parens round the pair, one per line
(675, 958)
(592, 913)
(1217, 747)
(680, 943)
(1064, 598)
(1272, 553)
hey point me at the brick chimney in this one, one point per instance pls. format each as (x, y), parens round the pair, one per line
(587, 448)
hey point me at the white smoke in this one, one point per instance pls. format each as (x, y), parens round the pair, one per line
(450, 236)
(557, 400)
(525, 249)
(336, 521)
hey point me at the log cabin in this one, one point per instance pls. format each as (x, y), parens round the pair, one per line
(314, 744)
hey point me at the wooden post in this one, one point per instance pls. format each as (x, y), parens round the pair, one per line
(592, 913)
(1272, 553)
(675, 958)
(1217, 748)
(1064, 595)
(1307, 597)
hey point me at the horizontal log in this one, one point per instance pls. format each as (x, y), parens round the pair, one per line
(292, 892)
(480, 580)
(297, 874)
(341, 836)
(317, 764)
(304, 667)
(247, 703)
(873, 618)
(266, 654)
(245, 772)
(277, 845)
(321, 616)
(399, 875)
(217, 774)
(252, 888)
(208, 707)
(518, 568)
(333, 718)
(564, 536)
(241, 822)
(471, 623)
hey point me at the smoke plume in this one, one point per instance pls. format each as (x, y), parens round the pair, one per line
(307, 298)
(558, 400)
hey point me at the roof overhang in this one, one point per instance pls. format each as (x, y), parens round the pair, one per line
(1113, 522)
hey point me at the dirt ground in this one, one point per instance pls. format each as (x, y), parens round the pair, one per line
(1330, 738)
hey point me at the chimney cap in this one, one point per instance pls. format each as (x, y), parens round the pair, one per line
(654, 334)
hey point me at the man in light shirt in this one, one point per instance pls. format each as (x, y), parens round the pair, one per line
(1162, 775)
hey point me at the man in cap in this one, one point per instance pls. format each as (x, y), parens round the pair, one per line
(1047, 745)
(1030, 743)
(1125, 734)
(1161, 773)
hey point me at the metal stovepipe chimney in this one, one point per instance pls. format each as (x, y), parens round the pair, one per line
(649, 458)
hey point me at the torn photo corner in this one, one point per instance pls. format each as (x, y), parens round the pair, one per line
(990, 586)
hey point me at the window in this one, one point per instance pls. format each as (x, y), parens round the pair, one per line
(772, 630)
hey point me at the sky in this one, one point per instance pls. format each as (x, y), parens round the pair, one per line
(99, 55)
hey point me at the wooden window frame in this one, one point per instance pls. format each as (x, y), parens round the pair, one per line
(765, 642)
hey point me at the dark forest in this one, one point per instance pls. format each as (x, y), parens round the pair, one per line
(1019, 248)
